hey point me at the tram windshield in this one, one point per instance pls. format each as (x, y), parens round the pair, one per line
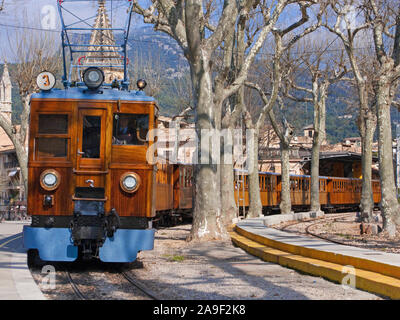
(130, 129)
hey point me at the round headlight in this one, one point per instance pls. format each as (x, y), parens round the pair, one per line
(130, 182)
(50, 180)
(93, 77)
(141, 84)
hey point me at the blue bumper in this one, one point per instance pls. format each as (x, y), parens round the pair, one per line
(125, 244)
(55, 244)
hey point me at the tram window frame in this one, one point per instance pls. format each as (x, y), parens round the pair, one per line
(116, 141)
(63, 138)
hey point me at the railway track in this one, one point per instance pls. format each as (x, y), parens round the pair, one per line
(322, 237)
(307, 228)
(75, 287)
(79, 294)
(138, 285)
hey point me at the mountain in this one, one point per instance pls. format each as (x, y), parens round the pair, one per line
(152, 50)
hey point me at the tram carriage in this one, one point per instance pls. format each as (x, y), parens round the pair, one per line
(335, 193)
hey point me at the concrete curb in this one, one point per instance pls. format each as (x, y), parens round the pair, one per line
(300, 216)
(366, 280)
(361, 263)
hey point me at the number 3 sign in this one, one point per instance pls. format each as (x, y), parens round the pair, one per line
(46, 80)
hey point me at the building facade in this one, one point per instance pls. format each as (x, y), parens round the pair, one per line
(11, 182)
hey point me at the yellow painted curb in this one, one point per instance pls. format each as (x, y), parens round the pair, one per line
(365, 280)
(356, 262)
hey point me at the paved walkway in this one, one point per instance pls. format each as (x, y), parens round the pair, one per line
(256, 226)
(373, 271)
(16, 282)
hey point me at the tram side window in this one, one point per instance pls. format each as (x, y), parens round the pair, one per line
(52, 147)
(130, 129)
(51, 140)
(53, 124)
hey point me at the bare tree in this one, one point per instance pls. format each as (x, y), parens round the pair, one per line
(33, 53)
(385, 27)
(151, 69)
(284, 133)
(199, 36)
(353, 34)
(322, 75)
(233, 58)
(381, 26)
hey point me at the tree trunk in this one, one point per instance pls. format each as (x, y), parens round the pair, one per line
(207, 215)
(320, 93)
(389, 204)
(22, 157)
(285, 205)
(229, 208)
(314, 201)
(367, 202)
(255, 206)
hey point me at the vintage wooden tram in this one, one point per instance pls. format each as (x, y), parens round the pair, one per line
(92, 190)
(90, 185)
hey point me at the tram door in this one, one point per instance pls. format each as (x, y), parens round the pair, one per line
(90, 172)
(91, 140)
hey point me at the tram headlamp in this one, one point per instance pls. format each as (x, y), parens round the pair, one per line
(50, 180)
(130, 182)
(93, 77)
(141, 84)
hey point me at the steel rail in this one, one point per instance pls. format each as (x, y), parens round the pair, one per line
(138, 285)
(77, 292)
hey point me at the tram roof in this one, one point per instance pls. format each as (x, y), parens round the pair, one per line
(83, 93)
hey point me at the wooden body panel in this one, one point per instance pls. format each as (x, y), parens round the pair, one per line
(164, 187)
(137, 204)
(62, 195)
(183, 188)
(323, 191)
(300, 191)
(104, 171)
(345, 191)
(376, 189)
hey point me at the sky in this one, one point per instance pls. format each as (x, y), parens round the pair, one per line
(42, 16)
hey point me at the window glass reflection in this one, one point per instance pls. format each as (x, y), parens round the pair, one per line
(130, 129)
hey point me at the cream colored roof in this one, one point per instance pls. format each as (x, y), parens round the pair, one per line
(5, 142)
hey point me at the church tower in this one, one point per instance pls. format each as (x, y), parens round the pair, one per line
(100, 55)
(6, 92)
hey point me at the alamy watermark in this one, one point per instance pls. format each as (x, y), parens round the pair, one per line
(48, 16)
(206, 146)
(49, 277)
(349, 279)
